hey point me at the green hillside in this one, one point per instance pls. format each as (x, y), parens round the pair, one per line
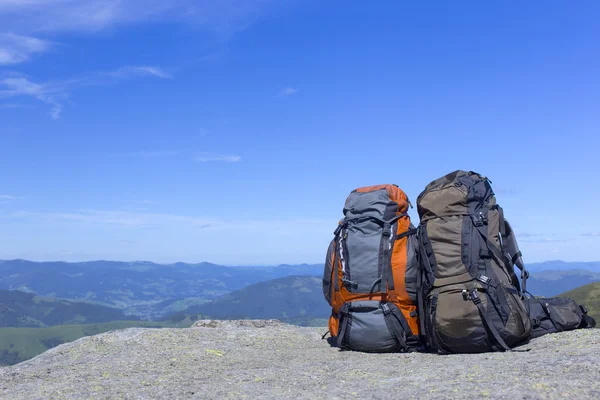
(588, 295)
(19, 344)
(295, 299)
(21, 309)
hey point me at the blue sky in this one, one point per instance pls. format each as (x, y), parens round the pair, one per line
(232, 132)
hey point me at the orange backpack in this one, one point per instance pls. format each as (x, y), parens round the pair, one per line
(371, 272)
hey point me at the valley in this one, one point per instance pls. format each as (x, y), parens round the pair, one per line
(46, 304)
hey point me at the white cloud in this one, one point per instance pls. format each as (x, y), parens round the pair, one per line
(16, 49)
(10, 106)
(129, 71)
(146, 202)
(148, 219)
(207, 157)
(153, 153)
(505, 191)
(48, 93)
(164, 236)
(591, 234)
(7, 197)
(223, 16)
(54, 93)
(288, 91)
(23, 22)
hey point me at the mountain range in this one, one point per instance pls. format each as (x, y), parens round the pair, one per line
(293, 299)
(20, 309)
(559, 265)
(143, 289)
(553, 282)
(60, 302)
(150, 291)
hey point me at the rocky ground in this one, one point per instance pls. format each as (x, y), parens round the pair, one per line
(269, 359)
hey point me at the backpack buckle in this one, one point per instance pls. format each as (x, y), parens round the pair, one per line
(479, 219)
(583, 309)
(475, 297)
(341, 225)
(386, 309)
(349, 284)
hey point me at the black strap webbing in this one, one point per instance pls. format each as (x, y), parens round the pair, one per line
(516, 256)
(501, 218)
(344, 315)
(510, 245)
(500, 256)
(587, 321)
(407, 233)
(491, 328)
(420, 305)
(337, 253)
(396, 323)
(493, 248)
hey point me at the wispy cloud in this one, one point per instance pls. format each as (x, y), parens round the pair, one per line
(15, 49)
(153, 153)
(198, 156)
(505, 191)
(130, 71)
(121, 218)
(147, 219)
(26, 24)
(55, 92)
(528, 235)
(48, 93)
(7, 197)
(224, 16)
(6, 106)
(146, 202)
(288, 91)
(544, 240)
(591, 234)
(207, 157)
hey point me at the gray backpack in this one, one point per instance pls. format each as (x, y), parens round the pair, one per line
(471, 300)
(370, 273)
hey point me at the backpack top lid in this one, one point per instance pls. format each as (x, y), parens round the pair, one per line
(367, 199)
(453, 177)
(457, 193)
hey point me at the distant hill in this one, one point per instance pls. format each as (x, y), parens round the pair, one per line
(558, 265)
(20, 309)
(299, 299)
(588, 295)
(294, 299)
(553, 282)
(138, 287)
(152, 291)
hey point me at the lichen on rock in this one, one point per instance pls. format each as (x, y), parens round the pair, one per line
(270, 359)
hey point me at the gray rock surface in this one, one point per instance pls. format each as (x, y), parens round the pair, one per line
(269, 359)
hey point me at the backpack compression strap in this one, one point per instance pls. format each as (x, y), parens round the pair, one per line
(502, 257)
(490, 326)
(391, 313)
(510, 244)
